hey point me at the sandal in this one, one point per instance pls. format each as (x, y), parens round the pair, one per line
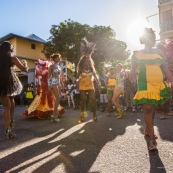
(12, 123)
(153, 145)
(82, 119)
(56, 120)
(147, 134)
(9, 134)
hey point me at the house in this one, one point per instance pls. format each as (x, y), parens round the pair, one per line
(28, 48)
(166, 18)
(166, 23)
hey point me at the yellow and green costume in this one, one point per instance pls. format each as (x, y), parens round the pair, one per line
(111, 86)
(152, 89)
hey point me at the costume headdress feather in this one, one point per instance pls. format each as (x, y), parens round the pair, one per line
(87, 48)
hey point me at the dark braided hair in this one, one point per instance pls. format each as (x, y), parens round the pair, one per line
(5, 70)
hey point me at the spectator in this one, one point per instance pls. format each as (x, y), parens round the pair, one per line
(70, 90)
(129, 89)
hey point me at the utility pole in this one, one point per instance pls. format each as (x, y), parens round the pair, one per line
(151, 16)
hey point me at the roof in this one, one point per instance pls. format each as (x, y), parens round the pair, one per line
(32, 37)
(35, 38)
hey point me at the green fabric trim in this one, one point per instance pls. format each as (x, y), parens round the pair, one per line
(148, 61)
(142, 79)
(110, 92)
(150, 101)
(165, 94)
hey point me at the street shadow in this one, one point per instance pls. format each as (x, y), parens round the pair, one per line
(156, 164)
(165, 127)
(74, 148)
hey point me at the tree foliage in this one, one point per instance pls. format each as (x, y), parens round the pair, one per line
(65, 39)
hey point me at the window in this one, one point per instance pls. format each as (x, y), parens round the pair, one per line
(164, 1)
(167, 21)
(167, 15)
(33, 46)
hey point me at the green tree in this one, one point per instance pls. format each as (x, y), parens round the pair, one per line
(66, 37)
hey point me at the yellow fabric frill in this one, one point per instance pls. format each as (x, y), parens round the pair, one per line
(155, 98)
(148, 95)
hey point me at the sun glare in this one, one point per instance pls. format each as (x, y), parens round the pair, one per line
(134, 30)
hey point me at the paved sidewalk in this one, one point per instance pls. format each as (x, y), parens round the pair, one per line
(108, 146)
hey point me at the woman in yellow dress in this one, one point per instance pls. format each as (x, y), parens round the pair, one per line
(119, 90)
(86, 74)
(150, 66)
(110, 83)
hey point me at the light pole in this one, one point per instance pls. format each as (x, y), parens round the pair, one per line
(151, 16)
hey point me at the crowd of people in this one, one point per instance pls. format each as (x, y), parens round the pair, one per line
(146, 86)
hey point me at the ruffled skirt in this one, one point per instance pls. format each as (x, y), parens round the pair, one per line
(156, 97)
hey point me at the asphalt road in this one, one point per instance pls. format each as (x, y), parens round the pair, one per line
(107, 146)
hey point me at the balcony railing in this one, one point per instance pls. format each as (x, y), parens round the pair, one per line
(164, 1)
(166, 26)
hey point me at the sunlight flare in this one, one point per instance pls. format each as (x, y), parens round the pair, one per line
(75, 153)
(135, 29)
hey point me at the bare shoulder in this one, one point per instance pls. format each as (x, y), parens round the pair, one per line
(14, 59)
(51, 66)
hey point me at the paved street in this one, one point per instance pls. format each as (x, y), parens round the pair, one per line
(108, 146)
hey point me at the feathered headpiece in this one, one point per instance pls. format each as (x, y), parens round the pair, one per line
(87, 48)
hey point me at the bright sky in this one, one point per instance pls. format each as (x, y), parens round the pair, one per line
(126, 17)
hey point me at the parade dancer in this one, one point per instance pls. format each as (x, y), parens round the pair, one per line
(10, 85)
(55, 83)
(150, 66)
(119, 90)
(110, 83)
(42, 105)
(86, 75)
